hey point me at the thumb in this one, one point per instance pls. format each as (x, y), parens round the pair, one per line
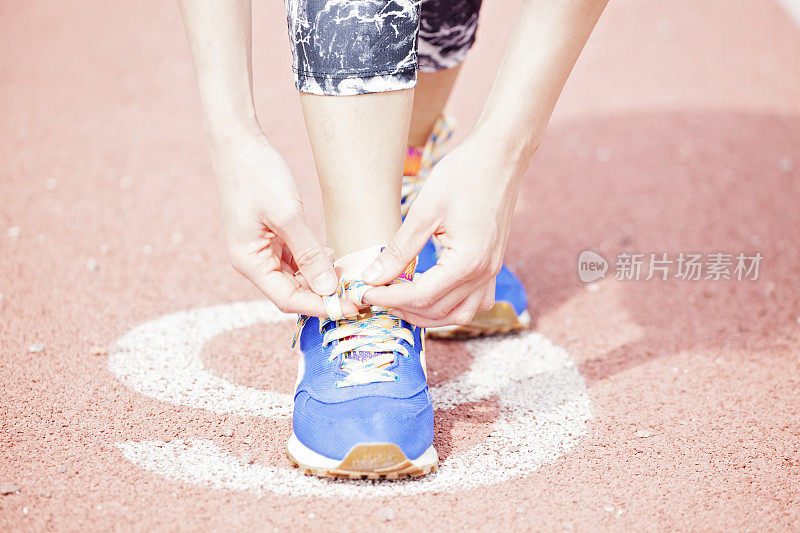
(311, 258)
(414, 232)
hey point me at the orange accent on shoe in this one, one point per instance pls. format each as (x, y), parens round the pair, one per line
(412, 164)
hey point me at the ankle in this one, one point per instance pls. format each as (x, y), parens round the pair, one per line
(351, 233)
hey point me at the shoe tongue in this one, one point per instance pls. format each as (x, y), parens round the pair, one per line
(351, 266)
(359, 355)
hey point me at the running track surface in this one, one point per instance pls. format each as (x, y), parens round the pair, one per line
(678, 132)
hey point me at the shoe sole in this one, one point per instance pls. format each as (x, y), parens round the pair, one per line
(499, 320)
(364, 461)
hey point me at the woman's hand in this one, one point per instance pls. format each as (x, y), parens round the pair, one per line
(469, 196)
(269, 240)
(467, 203)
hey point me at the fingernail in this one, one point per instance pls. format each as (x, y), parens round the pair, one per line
(325, 283)
(372, 272)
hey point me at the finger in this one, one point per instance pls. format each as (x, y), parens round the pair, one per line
(286, 255)
(488, 297)
(269, 272)
(290, 260)
(310, 257)
(288, 269)
(414, 232)
(462, 314)
(422, 293)
(304, 301)
(444, 306)
(298, 277)
(288, 296)
(328, 251)
(291, 267)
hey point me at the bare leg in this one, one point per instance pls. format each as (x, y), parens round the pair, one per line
(358, 144)
(430, 97)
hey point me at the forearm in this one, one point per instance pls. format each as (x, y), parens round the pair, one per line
(544, 46)
(219, 38)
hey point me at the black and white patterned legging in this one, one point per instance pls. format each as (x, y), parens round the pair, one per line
(346, 47)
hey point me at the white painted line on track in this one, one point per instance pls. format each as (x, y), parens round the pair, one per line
(544, 407)
(161, 359)
(793, 7)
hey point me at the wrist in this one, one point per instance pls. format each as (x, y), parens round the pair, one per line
(239, 159)
(223, 129)
(228, 114)
(222, 125)
(514, 144)
(513, 141)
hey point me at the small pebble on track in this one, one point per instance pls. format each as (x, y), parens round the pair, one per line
(98, 350)
(8, 487)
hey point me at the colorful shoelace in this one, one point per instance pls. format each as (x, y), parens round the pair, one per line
(367, 343)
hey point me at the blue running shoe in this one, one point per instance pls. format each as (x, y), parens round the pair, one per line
(510, 311)
(361, 406)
